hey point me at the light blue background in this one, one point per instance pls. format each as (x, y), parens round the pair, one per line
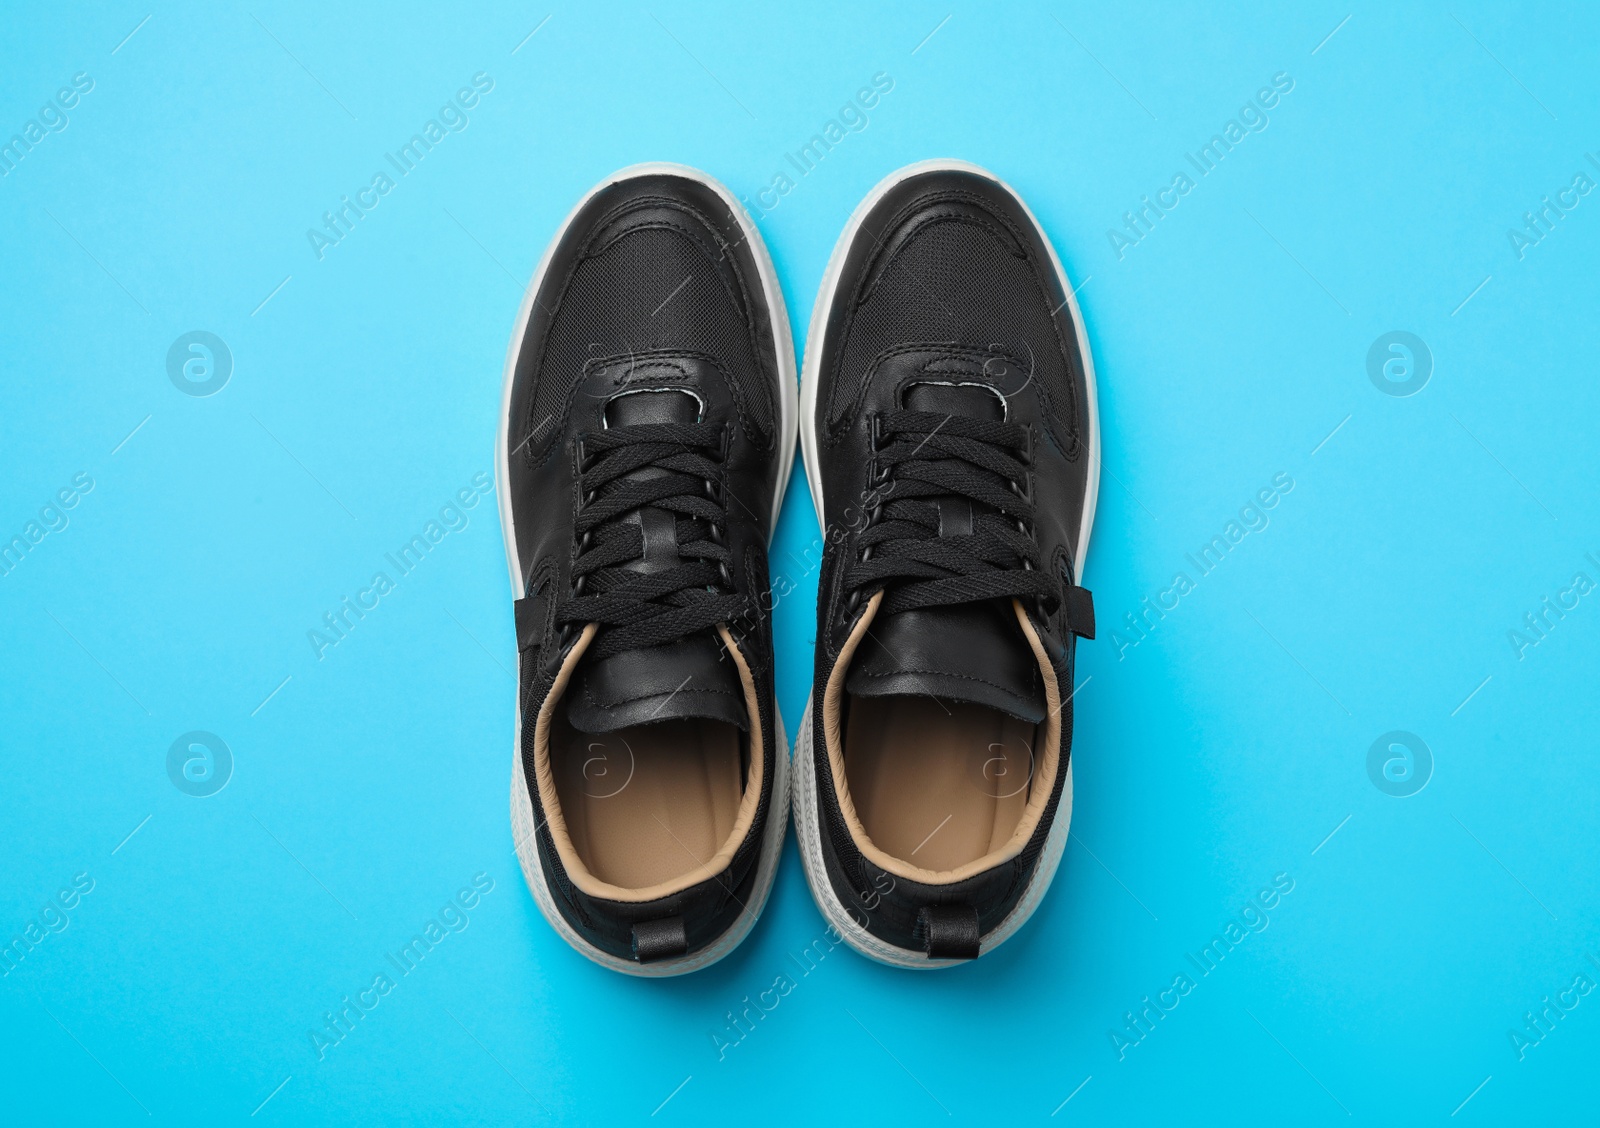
(1223, 749)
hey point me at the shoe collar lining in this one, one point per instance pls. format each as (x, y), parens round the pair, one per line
(1047, 764)
(577, 872)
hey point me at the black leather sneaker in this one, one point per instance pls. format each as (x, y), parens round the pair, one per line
(647, 431)
(948, 423)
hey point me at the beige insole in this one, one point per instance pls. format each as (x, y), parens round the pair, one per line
(646, 804)
(936, 783)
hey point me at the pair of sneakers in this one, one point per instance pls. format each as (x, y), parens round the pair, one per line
(649, 421)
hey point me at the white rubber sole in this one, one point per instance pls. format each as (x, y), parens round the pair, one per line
(807, 827)
(522, 819)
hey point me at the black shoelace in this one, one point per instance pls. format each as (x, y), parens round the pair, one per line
(923, 456)
(642, 609)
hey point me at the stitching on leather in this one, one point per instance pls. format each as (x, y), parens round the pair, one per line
(944, 674)
(949, 353)
(662, 359)
(592, 699)
(936, 351)
(935, 197)
(1071, 451)
(743, 296)
(664, 355)
(593, 246)
(746, 304)
(1036, 268)
(735, 390)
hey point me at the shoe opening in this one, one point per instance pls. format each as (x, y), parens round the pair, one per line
(937, 790)
(651, 809)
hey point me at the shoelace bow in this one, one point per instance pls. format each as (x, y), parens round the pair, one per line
(925, 455)
(637, 609)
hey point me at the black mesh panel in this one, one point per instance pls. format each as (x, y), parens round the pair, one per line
(652, 289)
(956, 282)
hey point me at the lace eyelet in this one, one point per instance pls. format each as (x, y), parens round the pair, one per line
(555, 653)
(581, 456)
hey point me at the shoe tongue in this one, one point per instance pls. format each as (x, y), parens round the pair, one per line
(652, 405)
(972, 652)
(975, 401)
(680, 680)
(688, 678)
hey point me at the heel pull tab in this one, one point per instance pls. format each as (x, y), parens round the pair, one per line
(949, 932)
(663, 939)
